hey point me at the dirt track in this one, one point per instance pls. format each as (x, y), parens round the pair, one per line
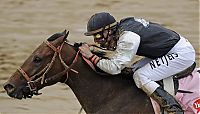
(24, 24)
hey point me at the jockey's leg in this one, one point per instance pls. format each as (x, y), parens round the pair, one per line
(179, 58)
(157, 93)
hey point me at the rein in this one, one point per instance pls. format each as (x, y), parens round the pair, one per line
(57, 52)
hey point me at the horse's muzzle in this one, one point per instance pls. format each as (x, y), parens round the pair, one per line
(18, 93)
(10, 89)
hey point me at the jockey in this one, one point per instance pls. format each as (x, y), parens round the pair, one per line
(165, 53)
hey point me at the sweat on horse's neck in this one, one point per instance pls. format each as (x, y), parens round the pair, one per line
(106, 94)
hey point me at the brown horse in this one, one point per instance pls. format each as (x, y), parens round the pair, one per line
(55, 60)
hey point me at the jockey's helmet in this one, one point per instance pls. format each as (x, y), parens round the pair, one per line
(99, 22)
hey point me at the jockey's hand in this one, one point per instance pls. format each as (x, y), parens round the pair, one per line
(127, 72)
(85, 51)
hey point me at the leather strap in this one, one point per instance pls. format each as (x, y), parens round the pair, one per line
(24, 74)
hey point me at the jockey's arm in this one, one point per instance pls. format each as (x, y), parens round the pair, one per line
(127, 47)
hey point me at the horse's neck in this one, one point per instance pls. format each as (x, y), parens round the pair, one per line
(102, 93)
(89, 88)
(85, 84)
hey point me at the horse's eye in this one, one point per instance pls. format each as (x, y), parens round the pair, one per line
(37, 59)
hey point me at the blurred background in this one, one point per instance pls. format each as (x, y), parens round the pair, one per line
(24, 24)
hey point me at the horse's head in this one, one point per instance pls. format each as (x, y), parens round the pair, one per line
(42, 65)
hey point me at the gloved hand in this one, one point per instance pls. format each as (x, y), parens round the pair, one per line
(85, 51)
(127, 72)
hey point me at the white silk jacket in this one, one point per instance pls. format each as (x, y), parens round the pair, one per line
(127, 47)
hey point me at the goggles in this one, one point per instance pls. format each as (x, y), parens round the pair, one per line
(98, 36)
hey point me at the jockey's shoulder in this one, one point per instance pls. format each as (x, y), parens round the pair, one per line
(129, 37)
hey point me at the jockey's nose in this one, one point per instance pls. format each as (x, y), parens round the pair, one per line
(10, 88)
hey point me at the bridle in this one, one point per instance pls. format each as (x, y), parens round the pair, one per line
(31, 80)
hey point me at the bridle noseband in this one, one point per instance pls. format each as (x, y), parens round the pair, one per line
(31, 80)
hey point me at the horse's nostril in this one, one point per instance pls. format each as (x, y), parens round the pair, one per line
(9, 88)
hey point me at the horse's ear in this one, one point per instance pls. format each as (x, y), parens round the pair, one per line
(65, 34)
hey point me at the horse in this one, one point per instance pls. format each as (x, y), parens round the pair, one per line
(57, 60)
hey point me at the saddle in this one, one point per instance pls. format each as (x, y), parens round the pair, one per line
(172, 80)
(171, 83)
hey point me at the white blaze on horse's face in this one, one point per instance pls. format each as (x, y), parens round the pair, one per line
(30, 77)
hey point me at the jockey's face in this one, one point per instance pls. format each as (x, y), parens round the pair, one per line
(103, 38)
